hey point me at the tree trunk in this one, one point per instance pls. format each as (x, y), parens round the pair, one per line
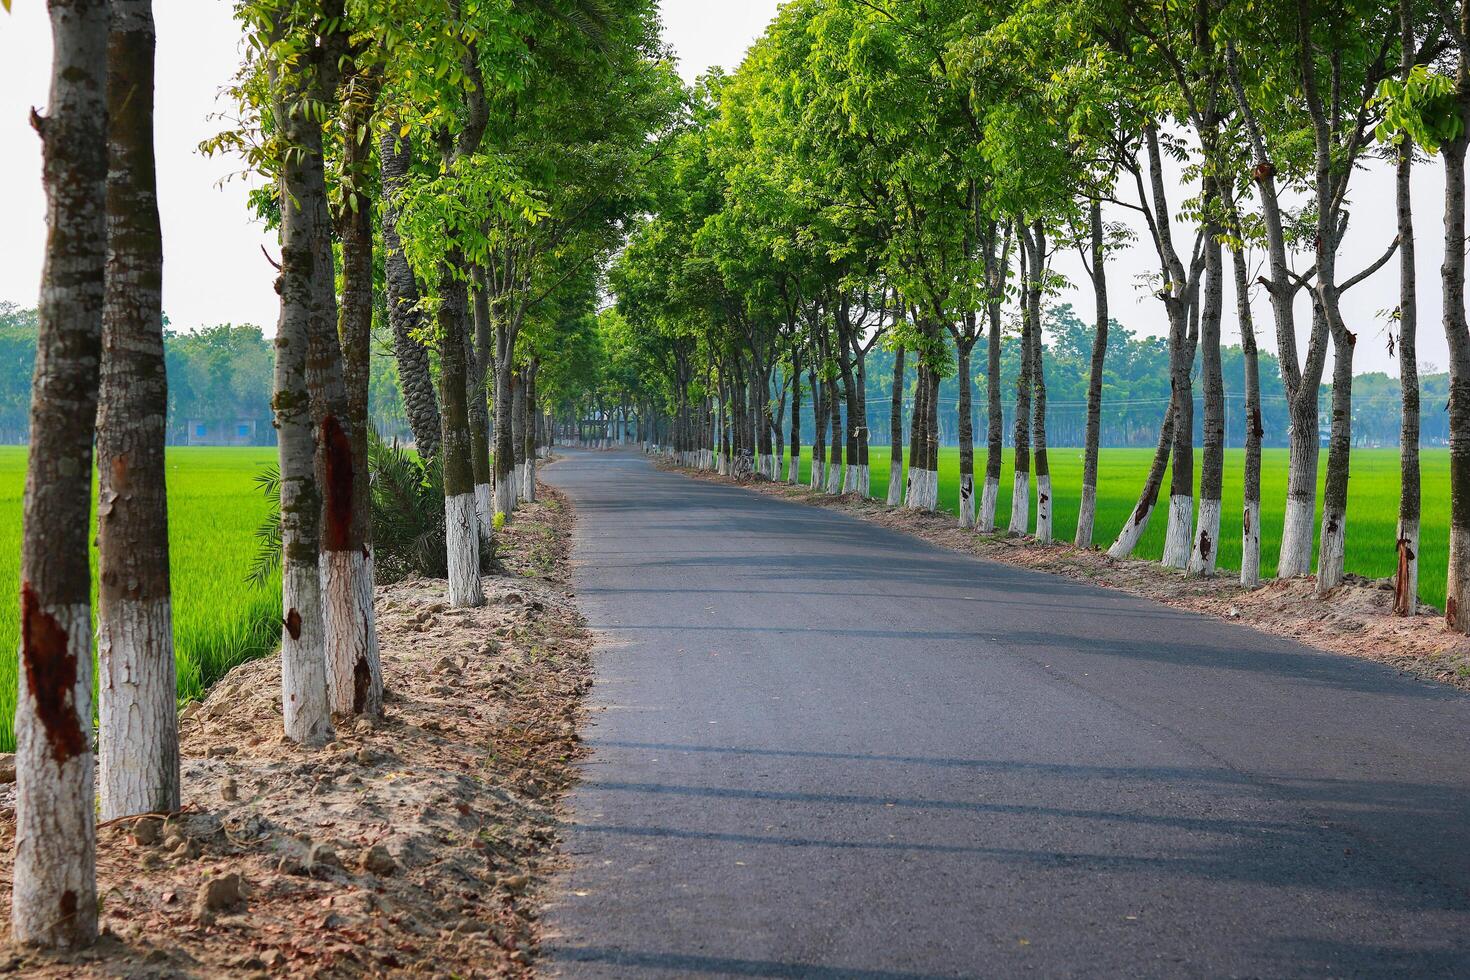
(54, 898)
(1038, 388)
(354, 673)
(1301, 483)
(1250, 545)
(913, 491)
(461, 525)
(404, 316)
(1021, 487)
(819, 439)
(504, 457)
(518, 432)
(138, 735)
(995, 421)
(964, 343)
(1332, 556)
(895, 433)
(793, 475)
(479, 352)
(1137, 524)
(528, 427)
(834, 470)
(1206, 549)
(1087, 511)
(1457, 334)
(1406, 581)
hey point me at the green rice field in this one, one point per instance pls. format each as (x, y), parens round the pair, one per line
(1373, 504)
(220, 619)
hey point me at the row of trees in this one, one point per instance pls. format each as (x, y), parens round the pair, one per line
(906, 174)
(460, 170)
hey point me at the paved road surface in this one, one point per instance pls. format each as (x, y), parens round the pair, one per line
(830, 750)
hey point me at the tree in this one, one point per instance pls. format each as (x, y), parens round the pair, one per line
(138, 735)
(54, 902)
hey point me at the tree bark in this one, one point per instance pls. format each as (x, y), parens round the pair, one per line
(1206, 549)
(964, 344)
(1087, 511)
(1250, 545)
(995, 421)
(1038, 388)
(479, 353)
(528, 485)
(1457, 335)
(1406, 580)
(793, 475)
(54, 898)
(1021, 486)
(354, 673)
(462, 531)
(895, 433)
(138, 737)
(1332, 556)
(404, 316)
(305, 268)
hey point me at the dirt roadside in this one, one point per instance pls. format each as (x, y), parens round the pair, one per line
(1355, 619)
(414, 846)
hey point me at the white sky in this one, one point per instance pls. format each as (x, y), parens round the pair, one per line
(214, 271)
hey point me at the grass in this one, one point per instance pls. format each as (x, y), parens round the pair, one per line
(1373, 504)
(220, 620)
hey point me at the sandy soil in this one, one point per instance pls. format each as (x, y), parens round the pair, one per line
(413, 846)
(1355, 619)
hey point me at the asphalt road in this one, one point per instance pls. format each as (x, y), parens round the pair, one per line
(830, 750)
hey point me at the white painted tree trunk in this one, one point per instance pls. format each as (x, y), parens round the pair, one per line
(354, 675)
(505, 497)
(863, 485)
(463, 536)
(1086, 516)
(834, 479)
(1333, 553)
(1409, 557)
(528, 484)
(1021, 503)
(485, 510)
(967, 501)
(895, 486)
(1178, 539)
(1206, 539)
(1043, 509)
(55, 890)
(304, 707)
(1296, 539)
(819, 473)
(139, 711)
(1250, 545)
(989, 496)
(1131, 534)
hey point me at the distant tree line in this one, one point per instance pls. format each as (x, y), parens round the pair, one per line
(1136, 388)
(218, 377)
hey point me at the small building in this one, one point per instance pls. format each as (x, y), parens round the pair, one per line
(232, 432)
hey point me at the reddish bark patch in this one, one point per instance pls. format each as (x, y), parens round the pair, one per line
(120, 473)
(68, 905)
(292, 622)
(51, 674)
(337, 453)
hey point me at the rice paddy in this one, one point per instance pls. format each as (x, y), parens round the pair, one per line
(1373, 504)
(220, 619)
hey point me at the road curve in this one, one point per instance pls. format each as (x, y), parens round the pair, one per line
(831, 750)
